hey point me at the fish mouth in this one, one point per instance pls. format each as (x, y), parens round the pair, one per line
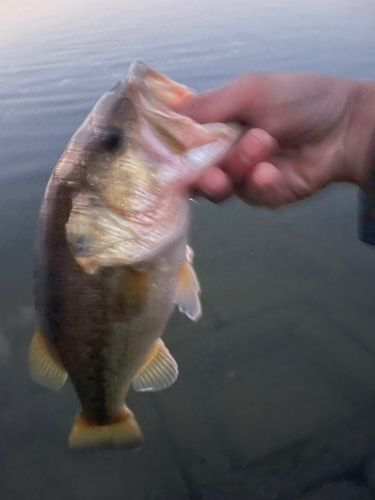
(156, 86)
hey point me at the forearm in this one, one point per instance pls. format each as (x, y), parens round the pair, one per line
(360, 137)
(365, 137)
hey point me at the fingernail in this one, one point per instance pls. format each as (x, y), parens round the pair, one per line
(259, 135)
(256, 144)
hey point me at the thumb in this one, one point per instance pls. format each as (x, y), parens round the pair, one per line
(234, 101)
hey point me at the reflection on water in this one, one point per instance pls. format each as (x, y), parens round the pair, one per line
(285, 351)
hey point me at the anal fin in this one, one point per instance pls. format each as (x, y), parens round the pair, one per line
(44, 369)
(159, 371)
(123, 433)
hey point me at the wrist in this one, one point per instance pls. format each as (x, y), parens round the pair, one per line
(360, 136)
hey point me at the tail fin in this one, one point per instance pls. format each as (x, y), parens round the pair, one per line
(124, 433)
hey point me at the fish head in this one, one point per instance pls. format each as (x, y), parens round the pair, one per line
(140, 156)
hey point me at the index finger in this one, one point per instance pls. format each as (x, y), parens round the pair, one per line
(234, 101)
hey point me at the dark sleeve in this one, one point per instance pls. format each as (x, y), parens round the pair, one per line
(366, 213)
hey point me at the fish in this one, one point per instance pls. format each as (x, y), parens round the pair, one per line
(112, 259)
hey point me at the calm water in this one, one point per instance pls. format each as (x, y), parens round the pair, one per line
(285, 350)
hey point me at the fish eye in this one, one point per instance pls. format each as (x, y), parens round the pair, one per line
(112, 139)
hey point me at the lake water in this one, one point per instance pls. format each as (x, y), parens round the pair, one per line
(284, 356)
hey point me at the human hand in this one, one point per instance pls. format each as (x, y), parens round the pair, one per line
(304, 131)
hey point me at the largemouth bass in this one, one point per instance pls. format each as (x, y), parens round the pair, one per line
(113, 259)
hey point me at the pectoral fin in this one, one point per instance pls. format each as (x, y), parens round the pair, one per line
(44, 369)
(188, 289)
(134, 287)
(159, 371)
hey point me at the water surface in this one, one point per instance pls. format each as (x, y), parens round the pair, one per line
(285, 351)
